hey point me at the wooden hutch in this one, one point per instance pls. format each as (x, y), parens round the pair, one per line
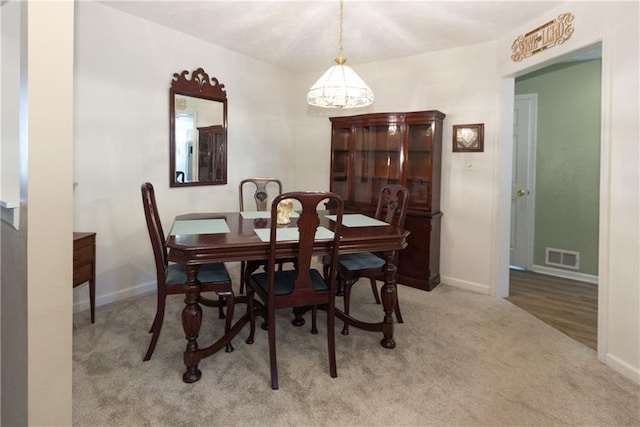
(371, 150)
(211, 153)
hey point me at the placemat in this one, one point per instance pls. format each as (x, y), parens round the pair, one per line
(357, 220)
(200, 226)
(286, 233)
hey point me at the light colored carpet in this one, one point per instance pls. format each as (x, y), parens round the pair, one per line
(461, 359)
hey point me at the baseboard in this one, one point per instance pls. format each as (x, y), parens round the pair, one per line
(624, 368)
(83, 304)
(557, 272)
(463, 284)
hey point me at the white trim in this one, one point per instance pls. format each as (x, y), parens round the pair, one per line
(502, 223)
(83, 304)
(9, 205)
(463, 284)
(604, 245)
(623, 368)
(10, 213)
(557, 272)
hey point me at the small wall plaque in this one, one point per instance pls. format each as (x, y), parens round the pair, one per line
(468, 138)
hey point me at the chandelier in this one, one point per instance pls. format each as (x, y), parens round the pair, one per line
(340, 86)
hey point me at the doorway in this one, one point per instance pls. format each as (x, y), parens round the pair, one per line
(555, 196)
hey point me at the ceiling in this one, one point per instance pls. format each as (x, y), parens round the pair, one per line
(303, 36)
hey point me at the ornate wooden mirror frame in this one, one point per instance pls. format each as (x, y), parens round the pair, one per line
(198, 130)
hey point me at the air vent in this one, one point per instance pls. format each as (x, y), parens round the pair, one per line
(563, 258)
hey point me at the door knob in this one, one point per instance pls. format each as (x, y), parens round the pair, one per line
(522, 192)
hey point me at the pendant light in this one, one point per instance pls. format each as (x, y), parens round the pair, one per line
(340, 86)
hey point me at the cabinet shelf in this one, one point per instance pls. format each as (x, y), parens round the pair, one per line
(366, 155)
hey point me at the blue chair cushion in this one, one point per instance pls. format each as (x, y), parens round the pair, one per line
(360, 261)
(177, 274)
(285, 281)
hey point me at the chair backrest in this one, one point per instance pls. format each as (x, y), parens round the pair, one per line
(307, 223)
(154, 226)
(260, 187)
(393, 201)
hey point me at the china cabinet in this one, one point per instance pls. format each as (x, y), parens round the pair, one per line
(371, 150)
(211, 153)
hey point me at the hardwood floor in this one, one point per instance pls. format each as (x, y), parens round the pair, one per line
(568, 305)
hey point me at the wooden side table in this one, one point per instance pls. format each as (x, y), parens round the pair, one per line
(84, 265)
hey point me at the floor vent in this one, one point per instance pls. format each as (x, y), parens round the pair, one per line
(563, 258)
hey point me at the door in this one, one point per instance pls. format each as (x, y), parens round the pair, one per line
(522, 184)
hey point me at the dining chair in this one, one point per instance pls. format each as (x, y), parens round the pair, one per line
(303, 286)
(393, 200)
(170, 278)
(258, 189)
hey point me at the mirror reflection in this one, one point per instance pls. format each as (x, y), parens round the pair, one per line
(198, 130)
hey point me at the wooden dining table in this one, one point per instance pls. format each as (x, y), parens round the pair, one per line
(201, 238)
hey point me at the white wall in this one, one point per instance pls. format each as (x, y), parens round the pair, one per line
(123, 70)
(466, 94)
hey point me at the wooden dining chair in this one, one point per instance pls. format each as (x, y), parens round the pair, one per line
(303, 286)
(393, 200)
(170, 278)
(258, 189)
(261, 188)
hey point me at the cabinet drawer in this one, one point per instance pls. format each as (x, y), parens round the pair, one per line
(84, 245)
(83, 255)
(82, 273)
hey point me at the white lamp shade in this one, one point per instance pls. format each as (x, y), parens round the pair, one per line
(340, 87)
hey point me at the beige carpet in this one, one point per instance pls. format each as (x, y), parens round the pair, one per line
(461, 359)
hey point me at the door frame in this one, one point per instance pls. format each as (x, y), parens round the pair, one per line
(503, 220)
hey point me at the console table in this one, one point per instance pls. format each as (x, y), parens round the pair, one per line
(84, 265)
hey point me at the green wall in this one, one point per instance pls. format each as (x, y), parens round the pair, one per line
(567, 159)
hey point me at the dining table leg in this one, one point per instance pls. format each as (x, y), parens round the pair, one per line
(191, 322)
(388, 294)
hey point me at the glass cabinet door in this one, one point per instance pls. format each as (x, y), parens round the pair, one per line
(340, 167)
(419, 165)
(377, 160)
(211, 154)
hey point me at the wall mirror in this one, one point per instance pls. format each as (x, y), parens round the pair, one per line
(198, 130)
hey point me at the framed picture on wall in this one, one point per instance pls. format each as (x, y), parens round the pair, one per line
(468, 138)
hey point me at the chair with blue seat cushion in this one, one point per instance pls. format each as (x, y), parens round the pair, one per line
(303, 286)
(393, 200)
(171, 278)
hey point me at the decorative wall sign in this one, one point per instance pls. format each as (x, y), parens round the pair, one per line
(552, 33)
(468, 137)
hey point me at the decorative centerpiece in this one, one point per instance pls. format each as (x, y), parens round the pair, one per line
(285, 207)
